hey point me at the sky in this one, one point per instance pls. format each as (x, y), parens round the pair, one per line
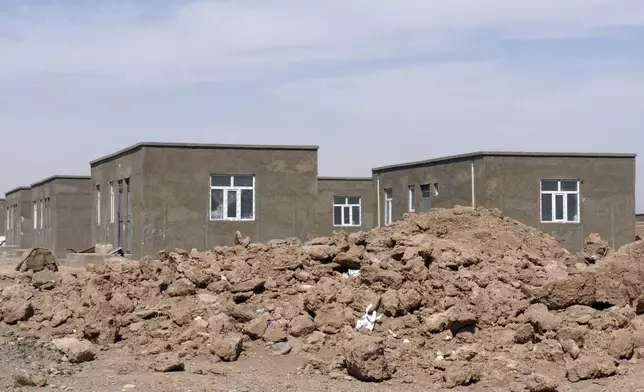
(372, 82)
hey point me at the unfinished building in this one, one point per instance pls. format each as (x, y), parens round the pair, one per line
(61, 211)
(19, 213)
(153, 196)
(569, 195)
(4, 218)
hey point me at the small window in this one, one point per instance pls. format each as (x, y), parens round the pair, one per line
(412, 198)
(347, 211)
(388, 206)
(425, 191)
(560, 201)
(42, 214)
(35, 215)
(232, 197)
(112, 205)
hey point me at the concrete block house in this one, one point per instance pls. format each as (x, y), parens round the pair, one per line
(568, 195)
(61, 213)
(4, 218)
(19, 210)
(152, 196)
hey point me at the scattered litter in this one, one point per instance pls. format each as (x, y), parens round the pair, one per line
(269, 323)
(368, 320)
(392, 333)
(260, 310)
(353, 272)
(406, 341)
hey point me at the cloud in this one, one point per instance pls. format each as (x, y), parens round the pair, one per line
(195, 40)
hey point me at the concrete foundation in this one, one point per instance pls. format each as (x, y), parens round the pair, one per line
(81, 260)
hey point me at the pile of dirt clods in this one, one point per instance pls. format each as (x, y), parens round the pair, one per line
(464, 296)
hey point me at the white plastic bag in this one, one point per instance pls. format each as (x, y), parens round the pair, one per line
(368, 320)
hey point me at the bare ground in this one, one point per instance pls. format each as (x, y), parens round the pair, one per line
(118, 370)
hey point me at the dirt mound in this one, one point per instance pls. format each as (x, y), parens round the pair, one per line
(463, 294)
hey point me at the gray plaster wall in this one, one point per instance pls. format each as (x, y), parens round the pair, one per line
(21, 233)
(42, 235)
(177, 202)
(65, 222)
(347, 187)
(127, 165)
(454, 179)
(607, 192)
(3, 218)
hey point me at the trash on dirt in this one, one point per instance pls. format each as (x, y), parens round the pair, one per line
(368, 320)
(353, 272)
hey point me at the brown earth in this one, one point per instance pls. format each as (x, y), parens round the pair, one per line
(468, 297)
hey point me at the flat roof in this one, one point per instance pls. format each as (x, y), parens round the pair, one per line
(345, 178)
(479, 154)
(14, 190)
(59, 177)
(137, 146)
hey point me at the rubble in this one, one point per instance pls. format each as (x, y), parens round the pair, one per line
(76, 351)
(460, 294)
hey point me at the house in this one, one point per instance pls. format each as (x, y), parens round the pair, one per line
(60, 208)
(153, 196)
(18, 207)
(639, 226)
(4, 218)
(568, 195)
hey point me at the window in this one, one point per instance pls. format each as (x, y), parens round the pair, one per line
(412, 198)
(8, 226)
(559, 200)
(111, 201)
(48, 200)
(388, 206)
(35, 215)
(346, 211)
(232, 197)
(42, 214)
(98, 204)
(425, 203)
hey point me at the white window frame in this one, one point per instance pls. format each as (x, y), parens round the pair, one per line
(346, 204)
(98, 204)
(412, 198)
(389, 202)
(564, 194)
(225, 190)
(112, 212)
(35, 214)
